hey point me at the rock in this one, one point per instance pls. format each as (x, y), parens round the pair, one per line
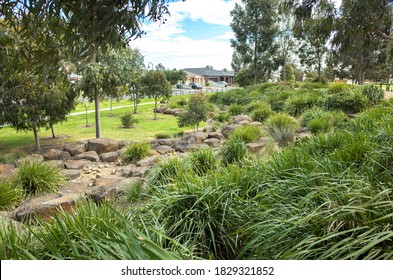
(168, 111)
(164, 149)
(147, 161)
(153, 143)
(72, 187)
(125, 171)
(45, 206)
(166, 142)
(177, 112)
(212, 142)
(102, 145)
(255, 147)
(57, 163)
(90, 156)
(217, 135)
(245, 122)
(33, 157)
(138, 171)
(71, 174)
(195, 138)
(106, 189)
(53, 154)
(6, 218)
(123, 143)
(75, 164)
(160, 109)
(184, 147)
(6, 170)
(109, 157)
(121, 151)
(75, 148)
(230, 128)
(256, 123)
(265, 140)
(241, 118)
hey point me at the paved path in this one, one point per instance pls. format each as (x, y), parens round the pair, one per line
(107, 109)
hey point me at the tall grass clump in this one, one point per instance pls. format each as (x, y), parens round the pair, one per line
(320, 120)
(233, 150)
(373, 93)
(301, 101)
(248, 133)
(168, 172)
(236, 109)
(349, 101)
(277, 97)
(90, 232)
(133, 193)
(202, 161)
(282, 128)
(10, 195)
(135, 152)
(11, 158)
(36, 177)
(259, 111)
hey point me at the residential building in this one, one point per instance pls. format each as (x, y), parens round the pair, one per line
(203, 75)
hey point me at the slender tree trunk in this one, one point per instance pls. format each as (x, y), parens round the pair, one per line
(255, 60)
(319, 67)
(135, 103)
(361, 69)
(37, 140)
(97, 109)
(87, 119)
(155, 108)
(53, 131)
(110, 106)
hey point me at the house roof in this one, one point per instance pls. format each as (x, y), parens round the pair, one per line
(210, 72)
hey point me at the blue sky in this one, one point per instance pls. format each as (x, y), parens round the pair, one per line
(195, 35)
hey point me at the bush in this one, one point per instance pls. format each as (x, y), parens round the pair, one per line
(10, 195)
(282, 128)
(166, 172)
(202, 161)
(128, 120)
(247, 134)
(260, 115)
(233, 150)
(11, 158)
(349, 102)
(222, 117)
(321, 124)
(161, 135)
(134, 152)
(301, 101)
(337, 88)
(373, 93)
(133, 193)
(317, 119)
(35, 177)
(236, 109)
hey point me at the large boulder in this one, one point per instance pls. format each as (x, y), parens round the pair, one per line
(107, 189)
(148, 161)
(90, 156)
(228, 129)
(255, 147)
(54, 154)
(195, 138)
(164, 149)
(166, 141)
(242, 119)
(71, 174)
(109, 157)
(102, 145)
(217, 135)
(185, 147)
(72, 187)
(75, 164)
(212, 142)
(75, 148)
(57, 163)
(45, 206)
(123, 143)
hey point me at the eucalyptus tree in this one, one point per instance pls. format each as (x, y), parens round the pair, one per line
(254, 23)
(154, 84)
(85, 28)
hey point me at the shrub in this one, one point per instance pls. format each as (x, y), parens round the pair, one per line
(222, 117)
(260, 115)
(276, 98)
(299, 102)
(11, 158)
(161, 135)
(10, 195)
(282, 128)
(196, 112)
(349, 102)
(128, 120)
(317, 119)
(202, 161)
(337, 88)
(35, 177)
(373, 93)
(166, 172)
(247, 134)
(133, 193)
(233, 150)
(135, 152)
(236, 109)
(321, 124)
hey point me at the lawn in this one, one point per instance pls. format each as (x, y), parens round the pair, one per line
(74, 128)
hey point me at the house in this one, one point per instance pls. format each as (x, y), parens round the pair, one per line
(203, 75)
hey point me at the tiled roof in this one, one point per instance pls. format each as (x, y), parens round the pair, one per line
(210, 72)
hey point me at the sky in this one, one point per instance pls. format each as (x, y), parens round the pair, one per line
(196, 34)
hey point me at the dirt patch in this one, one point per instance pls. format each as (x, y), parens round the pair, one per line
(388, 94)
(84, 125)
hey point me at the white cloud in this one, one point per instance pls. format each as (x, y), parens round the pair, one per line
(170, 44)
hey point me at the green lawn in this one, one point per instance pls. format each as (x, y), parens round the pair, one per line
(75, 129)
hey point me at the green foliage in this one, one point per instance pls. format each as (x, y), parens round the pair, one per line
(11, 158)
(166, 172)
(133, 193)
(128, 120)
(175, 76)
(349, 102)
(161, 135)
(337, 88)
(282, 127)
(317, 119)
(203, 161)
(136, 151)
(301, 101)
(248, 133)
(222, 117)
(196, 112)
(287, 73)
(236, 109)
(35, 177)
(233, 150)
(244, 77)
(260, 115)
(10, 195)
(373, 93)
